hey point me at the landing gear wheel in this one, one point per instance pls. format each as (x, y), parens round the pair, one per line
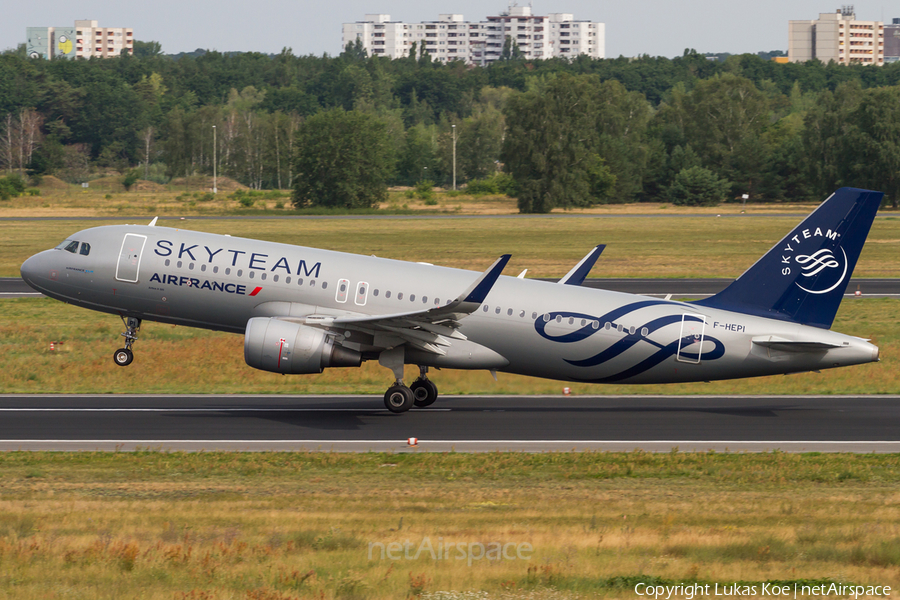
(399, 398)
(123, 357)
(425, 391)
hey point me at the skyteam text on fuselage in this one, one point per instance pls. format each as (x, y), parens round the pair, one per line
(302, 310)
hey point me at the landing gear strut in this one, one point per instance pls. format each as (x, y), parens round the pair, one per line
(124, 356)
(424, 389)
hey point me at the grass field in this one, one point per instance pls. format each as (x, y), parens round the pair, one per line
(283, 526)
(172, 359)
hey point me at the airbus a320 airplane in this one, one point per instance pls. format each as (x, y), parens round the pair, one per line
(302, 310)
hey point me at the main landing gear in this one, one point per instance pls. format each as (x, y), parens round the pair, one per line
(423, 392)
(124, 356)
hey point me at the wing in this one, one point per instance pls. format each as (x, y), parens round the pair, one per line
(429, 330)
(580, 271)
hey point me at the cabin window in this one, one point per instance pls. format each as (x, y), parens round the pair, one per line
(437, 301)
(559, 318)
(228, 270)
(374, 292)
(286, 279)
(619, 328)
(299, 281)
(240, 272)
(485, 308)
(546, 317)
(168, 262)
(312, 283)
(534, 315)
(178, 264)
(571, 321)
(85, 248)
(509, 312)
(424, 299)
(274, 277)
(251, 274)
(324, 284)
(412, 297)
(596, 324)
(400, 296)
(263, 277)
(387, 294)
(645, 332)
(191, 266)
(607, 326)
(631, 330)
(203, 268)
(215, 269)
(497, 310)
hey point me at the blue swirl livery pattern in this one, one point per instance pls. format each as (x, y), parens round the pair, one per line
(630, 340)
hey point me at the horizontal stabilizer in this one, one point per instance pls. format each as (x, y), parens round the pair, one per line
(778, 343)
(803, 277)
(578, 273)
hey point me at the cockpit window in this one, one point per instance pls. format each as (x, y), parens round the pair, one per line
(85, 248)
(70, 247)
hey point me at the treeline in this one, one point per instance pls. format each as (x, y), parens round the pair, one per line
(570, 133)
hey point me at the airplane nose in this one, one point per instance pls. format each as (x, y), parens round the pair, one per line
(34, 268)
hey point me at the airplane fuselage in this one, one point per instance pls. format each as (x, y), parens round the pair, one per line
(529, 327)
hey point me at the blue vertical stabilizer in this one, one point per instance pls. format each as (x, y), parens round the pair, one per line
(804, 276)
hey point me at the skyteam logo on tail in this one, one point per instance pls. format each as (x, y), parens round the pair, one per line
(816, 270)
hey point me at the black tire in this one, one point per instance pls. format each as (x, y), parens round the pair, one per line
(123, 357)
(399, 399)
(425, 392)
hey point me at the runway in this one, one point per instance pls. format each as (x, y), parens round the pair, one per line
(454, 423)
(14, 287)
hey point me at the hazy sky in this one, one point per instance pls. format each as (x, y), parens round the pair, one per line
(633, 27)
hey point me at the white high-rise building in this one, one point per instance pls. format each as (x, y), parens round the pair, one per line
(837, 37)
(453, 38)
(84, 40)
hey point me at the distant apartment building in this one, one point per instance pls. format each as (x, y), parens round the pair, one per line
(84, 40)
(453, 38)
(892, 42)
(837, 37)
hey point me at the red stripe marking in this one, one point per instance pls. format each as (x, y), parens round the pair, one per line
(256, 291)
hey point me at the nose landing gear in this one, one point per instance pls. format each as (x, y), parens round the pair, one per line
(124, 356)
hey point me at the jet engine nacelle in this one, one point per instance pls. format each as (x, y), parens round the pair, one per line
(291, 348)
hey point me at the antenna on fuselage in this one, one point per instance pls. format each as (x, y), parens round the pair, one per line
(153, 222)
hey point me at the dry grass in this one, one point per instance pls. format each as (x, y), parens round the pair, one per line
(173, 359)
(278, 526)
(107, 197)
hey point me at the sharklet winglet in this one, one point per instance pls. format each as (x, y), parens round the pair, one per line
(578, 273)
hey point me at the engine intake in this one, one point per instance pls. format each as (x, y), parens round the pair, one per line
(290, 348)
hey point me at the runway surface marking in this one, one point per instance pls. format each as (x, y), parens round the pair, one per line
(421, 441)
(215, 409)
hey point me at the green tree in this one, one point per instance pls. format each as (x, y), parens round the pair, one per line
(147, 49)
(344, 159)
(697, 186)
